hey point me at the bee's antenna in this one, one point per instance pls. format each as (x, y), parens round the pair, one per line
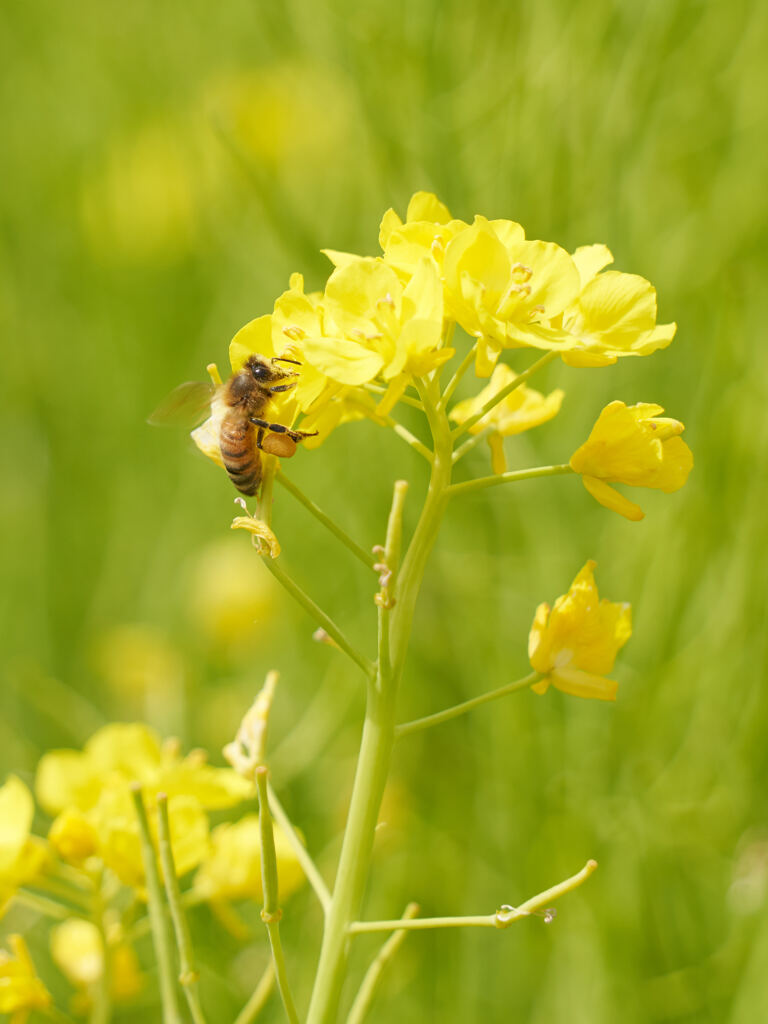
(284, 359)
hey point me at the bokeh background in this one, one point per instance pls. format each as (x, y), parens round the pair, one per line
(164, 169)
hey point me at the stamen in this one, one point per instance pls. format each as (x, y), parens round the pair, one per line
(522, 272)
(294, 332)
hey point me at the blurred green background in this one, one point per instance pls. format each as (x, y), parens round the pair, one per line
(164, 169)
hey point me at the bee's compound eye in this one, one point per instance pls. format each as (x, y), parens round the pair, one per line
(259, 370)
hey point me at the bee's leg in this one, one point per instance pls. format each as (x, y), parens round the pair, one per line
(279, 428)
(260, 438)
(282, 387)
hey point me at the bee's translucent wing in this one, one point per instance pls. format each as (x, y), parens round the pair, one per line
(186, 406)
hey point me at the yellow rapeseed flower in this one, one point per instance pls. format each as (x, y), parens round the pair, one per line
(232, 871)
(89, 793)
(506, 291)
(614, 314)
(21, 991)
(521, 410)
(77, 950)
(427, 230)
(632, 445)
(22, 856)
(574, 644)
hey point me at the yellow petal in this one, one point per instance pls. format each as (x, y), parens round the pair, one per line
(621, 305)
(133, 749)
(610, 498)
(390, 223)
(426, 206)
(16, 812)
(255, 338)
(590, 260)
(345, 361)
(64, 778)
(584, 684)
(498, 457)
(77, 951)
(259, 529)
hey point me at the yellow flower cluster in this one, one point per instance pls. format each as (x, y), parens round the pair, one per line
(383, 323)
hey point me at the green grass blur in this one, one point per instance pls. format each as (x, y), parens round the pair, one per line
(164, 169)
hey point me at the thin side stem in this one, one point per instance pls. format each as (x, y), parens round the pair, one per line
(470, 443)
(46, 907)
(259, 997)
(468, 705)
(367, 990)
(453, 383)
(188, 975)
(271, 912)
(377, 389)
(501, 919)
(160, 935)
(316, 612)
(410, 439)
(501, 395)
(101, 1009)
(365, 556)
(308, 866)
(507, 478)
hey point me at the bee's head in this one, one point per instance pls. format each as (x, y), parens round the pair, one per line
(266, 372)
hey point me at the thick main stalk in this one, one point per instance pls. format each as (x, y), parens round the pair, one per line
(376, 745)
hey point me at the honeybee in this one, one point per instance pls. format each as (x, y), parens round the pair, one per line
(237, 411)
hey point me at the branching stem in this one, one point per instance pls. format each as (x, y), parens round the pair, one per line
(505, 478)
(367, 990)
(468, 705)
(308, 866)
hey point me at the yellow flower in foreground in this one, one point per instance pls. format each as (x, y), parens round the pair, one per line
(76, 949)
(20, 988)
(632, 445)
(427, 230)
(233, 869)
(521, 410)
(574, 644)
(21, 856)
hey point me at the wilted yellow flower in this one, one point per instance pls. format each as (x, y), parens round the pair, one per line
(20, 988)
(522, 409)
(22, 856)
(246, 752)
(614, 314)
(76, 949)
(632, 445)
(574, 644)
(232, 871)
(89, 790)
(506, 291)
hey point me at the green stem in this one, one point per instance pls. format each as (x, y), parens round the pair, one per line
(378, 731)
(259, 997)
(160, 936)
(501, 919)
(271, 912)
(501, 395)
(308, 866)
(319, 616)
(453, 383)
(372, 977)
(188, 975)
(101, 1010)
(506, 478)
(47, 907)
(365, 556)
(410, 439)
(465, 706)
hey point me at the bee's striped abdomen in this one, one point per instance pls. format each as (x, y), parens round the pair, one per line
(238, 452)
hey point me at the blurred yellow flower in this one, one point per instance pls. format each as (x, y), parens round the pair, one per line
(89, 791)
(632, 445)
(521, 410)
(614, 314)
(136, 659)
(506, 291)
(20, 988)
(76, 949)
(232, 871)
(574, 644)
(230, 598)
(22, 856)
